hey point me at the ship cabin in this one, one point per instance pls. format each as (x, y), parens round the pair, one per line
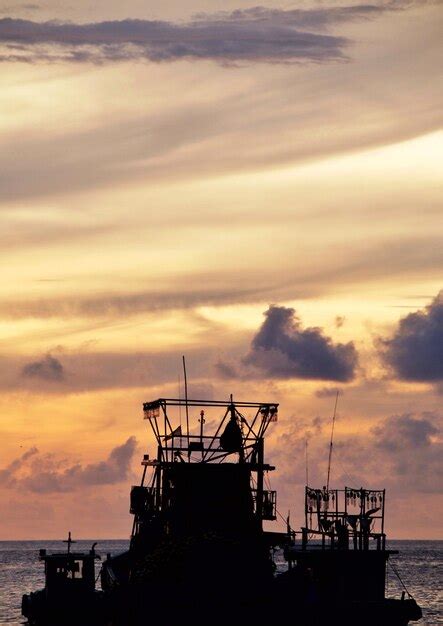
(69, 572)
(343, 552)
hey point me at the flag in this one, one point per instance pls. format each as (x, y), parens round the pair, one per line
(175, 433)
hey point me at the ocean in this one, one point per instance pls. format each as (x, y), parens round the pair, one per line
(419, 564)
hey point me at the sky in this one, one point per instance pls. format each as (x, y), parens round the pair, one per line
(256, 187)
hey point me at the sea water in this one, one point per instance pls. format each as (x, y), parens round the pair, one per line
(419, 564)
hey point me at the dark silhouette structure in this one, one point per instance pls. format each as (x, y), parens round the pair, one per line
(199, 552)
(69, 596)
(198, 544)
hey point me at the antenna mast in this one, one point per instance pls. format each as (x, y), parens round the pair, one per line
(307, 462)
(186, 399)
(179, 397)
(332, 440)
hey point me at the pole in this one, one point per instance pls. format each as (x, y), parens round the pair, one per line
(260, 460)
(307, 463)
(179, 397)
(202, 422)
(332, 441)
(186, 399)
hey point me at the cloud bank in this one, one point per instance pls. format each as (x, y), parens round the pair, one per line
(7, 474)
(405, 432)
(415, 352)
(85, 370)
(112, 305)
(401, 453)
(409, 448)
(43, 474)
(253, 35)
(283, 349)
(48, 368)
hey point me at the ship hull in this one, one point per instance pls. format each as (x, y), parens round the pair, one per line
(213, 596)
(85, 609)
(136, 607)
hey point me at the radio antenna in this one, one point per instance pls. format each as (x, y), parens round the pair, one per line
(179, 397)
(307, 461)
(332, 439)
(186, 399)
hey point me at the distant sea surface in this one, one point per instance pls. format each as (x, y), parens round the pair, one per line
(420, 565)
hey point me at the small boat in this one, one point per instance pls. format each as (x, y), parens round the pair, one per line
(337, 563)
(69, 595)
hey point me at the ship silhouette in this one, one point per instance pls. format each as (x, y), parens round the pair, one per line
(199, 552)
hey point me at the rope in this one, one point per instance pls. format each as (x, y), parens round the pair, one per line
(399, 578)
(98, 575)
(351, 478)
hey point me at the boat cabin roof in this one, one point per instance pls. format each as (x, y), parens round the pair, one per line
(65, 556)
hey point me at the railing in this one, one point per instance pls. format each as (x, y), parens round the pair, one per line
(350, 539)
(143, 500)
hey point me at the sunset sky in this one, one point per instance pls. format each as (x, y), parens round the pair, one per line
(256, 187)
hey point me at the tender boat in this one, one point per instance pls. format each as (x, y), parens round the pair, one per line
(69, 595)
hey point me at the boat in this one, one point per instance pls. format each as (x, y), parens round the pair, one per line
(69, 595)
(199, 550)
(338, 566)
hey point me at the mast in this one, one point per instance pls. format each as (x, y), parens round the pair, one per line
(186, 399)
(332, 441)
(260, 461)
(69, 541)
(202, 422)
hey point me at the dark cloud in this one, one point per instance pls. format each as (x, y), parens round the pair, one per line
(113, 470)
(283, 349)
(405, 432)
(48, 368)
(315, 18)
(45, 475)
(410, 451)
(256, 35)
(403, 452)
(415, 351)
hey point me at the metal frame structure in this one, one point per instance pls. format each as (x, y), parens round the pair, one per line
(176, 446)
(339, 515)
(157, 414)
